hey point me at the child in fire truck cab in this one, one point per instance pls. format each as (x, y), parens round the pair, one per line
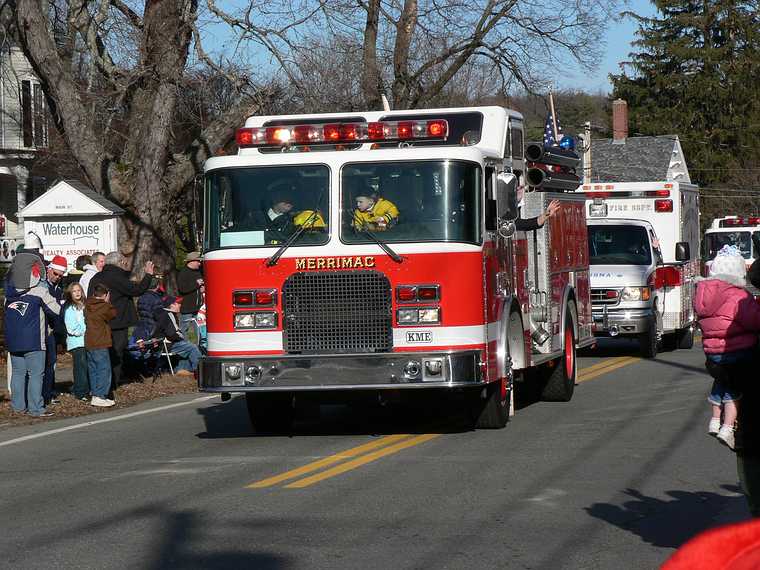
(729, 318)
(372, 211)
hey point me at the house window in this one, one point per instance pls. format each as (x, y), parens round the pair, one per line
(33, 116)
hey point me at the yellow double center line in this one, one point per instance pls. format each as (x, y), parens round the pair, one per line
(362, 455)
(355, 457)
(607, 365)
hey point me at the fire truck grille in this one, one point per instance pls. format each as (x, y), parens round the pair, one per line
(605, 296)
(337, 312)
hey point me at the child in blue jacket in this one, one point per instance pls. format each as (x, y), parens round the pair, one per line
(73, 316)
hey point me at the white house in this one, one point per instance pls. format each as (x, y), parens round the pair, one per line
(23, 132)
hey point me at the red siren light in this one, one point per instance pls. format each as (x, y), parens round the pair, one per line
(663, 205)
(342, 133)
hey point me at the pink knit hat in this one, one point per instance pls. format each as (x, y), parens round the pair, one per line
(58, 263)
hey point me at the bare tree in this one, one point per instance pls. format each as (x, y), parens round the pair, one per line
(412, 49)
(114, 77)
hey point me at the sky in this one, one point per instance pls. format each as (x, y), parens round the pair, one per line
(619, 37)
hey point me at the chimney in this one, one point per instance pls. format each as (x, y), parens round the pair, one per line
(619, 121)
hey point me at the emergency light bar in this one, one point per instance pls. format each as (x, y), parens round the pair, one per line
(740, 222)
(341, 133)
(634, 194)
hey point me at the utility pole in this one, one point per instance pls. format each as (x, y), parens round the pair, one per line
(587, 152)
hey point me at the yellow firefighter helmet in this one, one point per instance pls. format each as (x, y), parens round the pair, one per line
(310, 219)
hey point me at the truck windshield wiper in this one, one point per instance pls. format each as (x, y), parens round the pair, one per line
(288, 242)
(362, 227)
(272, 261)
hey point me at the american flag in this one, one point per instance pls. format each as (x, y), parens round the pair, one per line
(550, 140)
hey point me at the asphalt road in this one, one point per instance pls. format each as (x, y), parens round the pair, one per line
(617, 478)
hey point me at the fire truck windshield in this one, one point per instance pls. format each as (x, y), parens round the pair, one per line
(423, 201)
(741, 239)
(619, 245)
(264, 206)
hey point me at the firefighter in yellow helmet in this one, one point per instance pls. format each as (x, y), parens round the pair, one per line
(373, 212)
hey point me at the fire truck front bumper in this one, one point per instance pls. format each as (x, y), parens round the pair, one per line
(341, 372)
(614, 322)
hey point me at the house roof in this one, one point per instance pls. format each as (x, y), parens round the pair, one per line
(70, 197)
(92, 195)
(638, 159)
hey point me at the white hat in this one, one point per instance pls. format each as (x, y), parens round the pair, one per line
(32, 241)
(729, 265)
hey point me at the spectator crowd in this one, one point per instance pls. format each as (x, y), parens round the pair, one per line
(102, 316)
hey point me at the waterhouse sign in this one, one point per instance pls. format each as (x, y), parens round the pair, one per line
(72, 238)
(72, 220)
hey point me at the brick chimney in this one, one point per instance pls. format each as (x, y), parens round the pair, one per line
(619, 121)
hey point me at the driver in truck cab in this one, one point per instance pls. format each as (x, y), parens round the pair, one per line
(279, 221)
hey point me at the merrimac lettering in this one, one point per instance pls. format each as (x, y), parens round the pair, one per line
(355, 262)
(70, 229)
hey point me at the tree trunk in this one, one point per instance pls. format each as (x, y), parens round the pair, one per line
(404, 34)
(371, 81)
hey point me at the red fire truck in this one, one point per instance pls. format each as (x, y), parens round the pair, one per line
(442, 296)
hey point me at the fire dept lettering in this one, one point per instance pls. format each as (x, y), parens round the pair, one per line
(349, 262)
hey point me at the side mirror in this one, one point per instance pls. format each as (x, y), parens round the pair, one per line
(682, 251)
(198, 203)
(506, 197)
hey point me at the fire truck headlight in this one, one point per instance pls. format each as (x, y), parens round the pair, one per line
(265, 320)
(257, 320)
(407, 316)
(245, 321)
(635, 294)
(430, 315)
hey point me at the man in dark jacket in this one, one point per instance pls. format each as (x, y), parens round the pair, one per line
(115, 276)
(167, 327)
(28, 304)
(277, 220)
(56, 329)
(190, 287)
(530, 224)
(147, 305)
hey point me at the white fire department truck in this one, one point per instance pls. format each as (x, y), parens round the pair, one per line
(644, 238)
(740, 231)
(444, 296)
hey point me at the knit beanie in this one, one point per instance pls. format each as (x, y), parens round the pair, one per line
(729, 265)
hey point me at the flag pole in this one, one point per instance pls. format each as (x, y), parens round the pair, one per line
(554, 117)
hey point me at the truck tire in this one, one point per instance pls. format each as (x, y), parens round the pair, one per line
(489, 408)
(560, 383)
(270, 412)
(685, 337)
(648, 342)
